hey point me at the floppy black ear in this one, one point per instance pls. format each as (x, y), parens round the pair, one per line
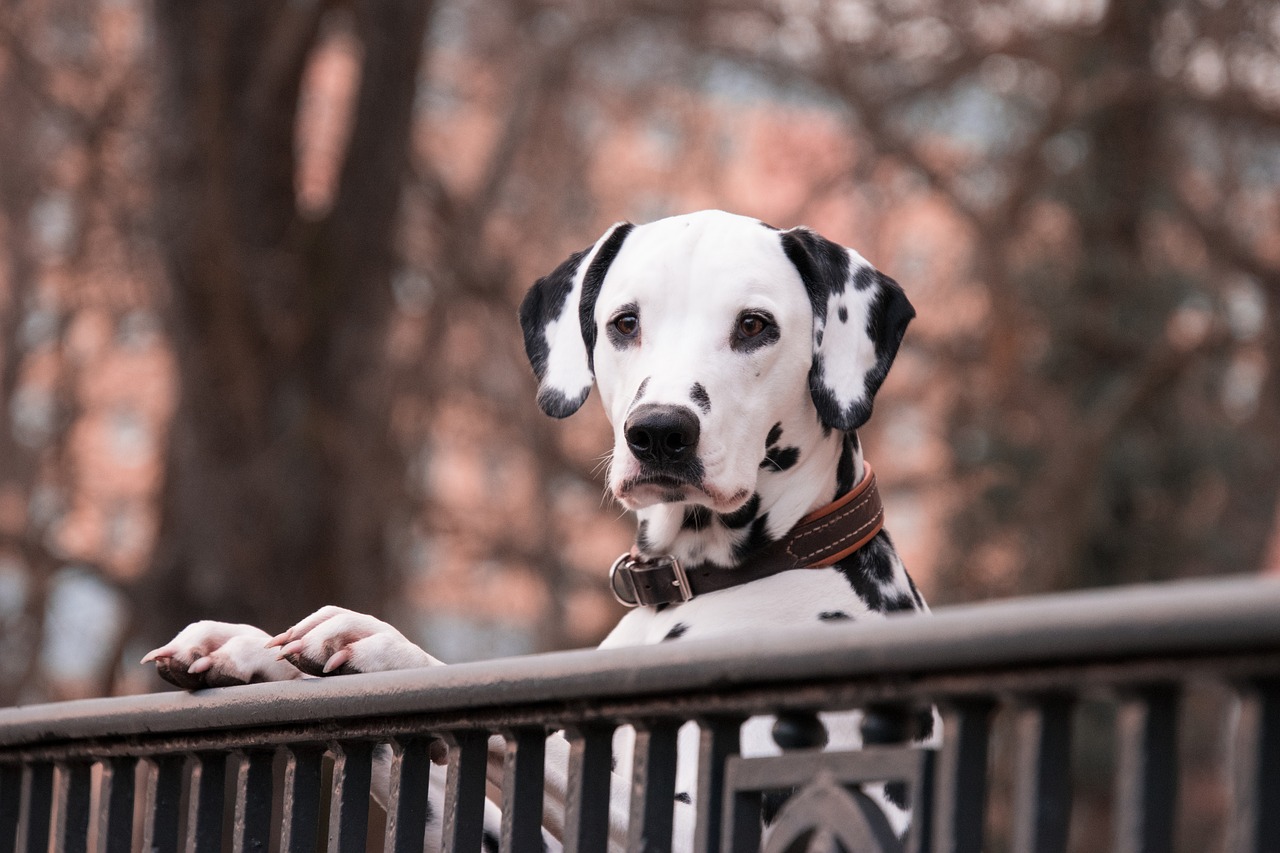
(859, 317)
(556, 317)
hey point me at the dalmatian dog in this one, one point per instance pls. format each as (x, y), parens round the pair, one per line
(735, 362)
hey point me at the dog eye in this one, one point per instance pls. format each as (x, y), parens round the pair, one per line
(752, 325)
(627, 324)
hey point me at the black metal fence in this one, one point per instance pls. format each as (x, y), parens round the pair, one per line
(1139, 719)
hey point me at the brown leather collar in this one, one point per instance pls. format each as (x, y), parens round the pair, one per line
(820, 539)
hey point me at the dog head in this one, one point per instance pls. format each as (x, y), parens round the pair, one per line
(701, 331)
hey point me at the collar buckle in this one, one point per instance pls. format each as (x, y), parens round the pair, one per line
(635, 581)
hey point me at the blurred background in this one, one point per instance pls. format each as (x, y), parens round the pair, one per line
(259, 265)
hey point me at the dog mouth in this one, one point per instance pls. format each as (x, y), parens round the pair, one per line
(649, 489)
(671, 488)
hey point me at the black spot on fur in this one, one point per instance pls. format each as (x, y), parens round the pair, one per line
(822, 264)
(843, 314)
(642, 536)
(887, 319)
(591, 284)
(780, 458)
(661, 606)
(880, 559)
(835, 616)
(864, 277)
(489, 842)
(770, 227)
(901, 601)
(558, 405)
(677, 631)
(896, 793)
(699, 396)
(844, 469)
(756, 539)
(868, 569)
(824, 267)
(742, 516)
(683, 797)
(696, 518)
(541, 305)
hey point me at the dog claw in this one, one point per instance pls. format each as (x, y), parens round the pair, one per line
(339, 658)
(156, 654)
(203, 664)
(288, 649)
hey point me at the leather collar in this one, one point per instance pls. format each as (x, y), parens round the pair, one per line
(820, 539)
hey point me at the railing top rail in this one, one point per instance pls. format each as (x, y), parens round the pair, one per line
(1216, 617)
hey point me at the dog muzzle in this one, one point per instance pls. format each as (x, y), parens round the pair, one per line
(822, 538)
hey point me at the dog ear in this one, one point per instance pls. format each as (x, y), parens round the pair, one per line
(557, 317)
(859, 317)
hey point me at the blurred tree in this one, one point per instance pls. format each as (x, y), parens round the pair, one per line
(1111, 417)
(335, 208)
(283, 474)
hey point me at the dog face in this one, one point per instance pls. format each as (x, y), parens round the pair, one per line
(701, 332)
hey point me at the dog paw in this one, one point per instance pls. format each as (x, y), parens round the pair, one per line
(335, 641)
(218, 654)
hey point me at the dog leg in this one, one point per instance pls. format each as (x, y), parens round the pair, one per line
(335, 641)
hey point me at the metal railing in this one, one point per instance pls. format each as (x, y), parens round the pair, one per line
(1029, 692)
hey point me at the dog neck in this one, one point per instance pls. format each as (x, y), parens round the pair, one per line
(804, 466)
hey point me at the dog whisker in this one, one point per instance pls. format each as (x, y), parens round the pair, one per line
(602, 464)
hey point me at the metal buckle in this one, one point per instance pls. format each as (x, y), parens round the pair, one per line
(626, 561)
(613, 582)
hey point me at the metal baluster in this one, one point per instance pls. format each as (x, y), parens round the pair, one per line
(1256, 822)
(300, 821)
(522, 789)
(251, 831)
(792, 730)
(115, 807)
(10, 806)
(464, 793)
(653, 786)
(960, 795)
(718, 739)
(586, 826)
(741, 823)
(1147, 770)
(1042, 799)
(34, 830)
(71, 831)
(349, 807)
(407, 808)
(205, 798)
(162, 803)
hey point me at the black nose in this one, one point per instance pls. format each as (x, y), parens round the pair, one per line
(660, 434)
